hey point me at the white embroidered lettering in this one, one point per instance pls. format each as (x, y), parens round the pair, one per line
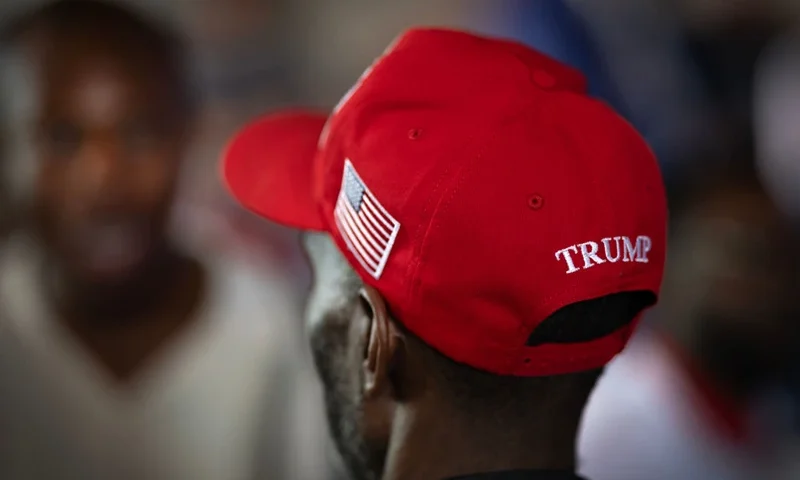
(589, 252)
(631, 249)
(643, 245)
(607, 248)
(625, 249)
(568, 258)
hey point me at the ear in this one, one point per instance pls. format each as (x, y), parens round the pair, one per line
(382, 344)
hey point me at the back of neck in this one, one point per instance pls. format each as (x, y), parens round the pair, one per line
(436, 447)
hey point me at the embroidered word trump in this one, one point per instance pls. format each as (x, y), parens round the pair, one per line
(367, 228)
(614, 249)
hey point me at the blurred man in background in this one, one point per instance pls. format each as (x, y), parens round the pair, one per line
(133, 357)
(685, 400)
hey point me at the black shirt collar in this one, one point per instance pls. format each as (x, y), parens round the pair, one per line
(523, 475)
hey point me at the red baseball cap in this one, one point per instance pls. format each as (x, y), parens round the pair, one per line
(473, 183)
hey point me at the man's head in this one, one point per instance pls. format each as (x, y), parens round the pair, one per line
(487, 236)
(371, 366)
(731, 289)
(111, 112)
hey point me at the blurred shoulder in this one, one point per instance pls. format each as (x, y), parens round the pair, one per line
(632, 420)
(637, 376)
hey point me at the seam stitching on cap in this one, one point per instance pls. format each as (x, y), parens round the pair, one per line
(444, 200)
(422, 234)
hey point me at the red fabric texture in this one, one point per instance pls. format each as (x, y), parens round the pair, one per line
(493, 159)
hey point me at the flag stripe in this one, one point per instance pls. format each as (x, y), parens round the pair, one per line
(381, 211)
(383, 242)
(364, 250)
(378, 244)
(379, 215)
(354, 246)
(355, 223)
(380, 232)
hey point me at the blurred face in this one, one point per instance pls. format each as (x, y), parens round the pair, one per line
(335, 322)
(109, 144)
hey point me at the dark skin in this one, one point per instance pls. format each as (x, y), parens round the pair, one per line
(109, 141)
(390, 415)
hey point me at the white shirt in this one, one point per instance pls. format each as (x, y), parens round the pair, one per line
(644, 421)
(234, 397)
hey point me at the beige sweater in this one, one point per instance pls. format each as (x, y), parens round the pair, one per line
(234, 398)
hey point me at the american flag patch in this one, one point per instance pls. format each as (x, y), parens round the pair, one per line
(368, 229)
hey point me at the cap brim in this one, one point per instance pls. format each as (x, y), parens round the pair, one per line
(268, 166)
